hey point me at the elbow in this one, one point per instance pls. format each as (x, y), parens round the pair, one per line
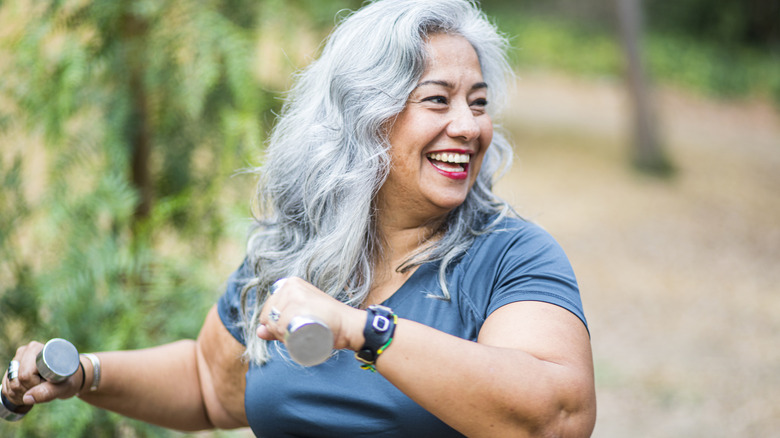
(560, 414)
(564, 424)
(572, 416)
(570, 408)
(569, 423)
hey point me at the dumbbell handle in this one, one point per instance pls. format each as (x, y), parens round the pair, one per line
(57, 361)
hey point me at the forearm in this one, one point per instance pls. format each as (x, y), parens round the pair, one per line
(158, 385)
(483, 390)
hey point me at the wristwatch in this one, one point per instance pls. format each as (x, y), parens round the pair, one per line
(378, 334)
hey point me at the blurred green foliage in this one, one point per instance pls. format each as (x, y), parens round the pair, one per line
(84, 86)
(744, 23)
(731, 23)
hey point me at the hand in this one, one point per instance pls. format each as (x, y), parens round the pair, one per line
(29, 388)
(296, 297)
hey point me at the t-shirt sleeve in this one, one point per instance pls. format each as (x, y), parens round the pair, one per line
(531, 266)
(229, 304)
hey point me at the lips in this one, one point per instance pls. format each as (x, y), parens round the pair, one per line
(454, 165)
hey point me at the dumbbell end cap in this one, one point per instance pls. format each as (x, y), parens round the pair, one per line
(58, 360)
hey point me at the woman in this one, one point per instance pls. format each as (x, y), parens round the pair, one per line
(376, 190)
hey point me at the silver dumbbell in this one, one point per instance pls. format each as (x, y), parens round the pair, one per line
(309, 340)
(58, 360)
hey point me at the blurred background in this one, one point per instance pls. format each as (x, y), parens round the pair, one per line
(647, 142)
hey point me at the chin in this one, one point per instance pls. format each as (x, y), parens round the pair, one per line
(447, 205)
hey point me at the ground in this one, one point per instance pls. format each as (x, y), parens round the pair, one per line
(680, 277)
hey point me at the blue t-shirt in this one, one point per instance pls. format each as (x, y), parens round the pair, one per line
(517, 262)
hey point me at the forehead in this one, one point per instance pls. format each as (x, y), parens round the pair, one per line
(451, 55)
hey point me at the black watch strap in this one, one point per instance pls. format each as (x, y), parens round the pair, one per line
(378, 333)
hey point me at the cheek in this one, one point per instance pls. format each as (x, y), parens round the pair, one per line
(486, 131)
(406, 135)
(485, 138)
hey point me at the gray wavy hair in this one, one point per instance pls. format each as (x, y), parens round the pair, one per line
(327, 156)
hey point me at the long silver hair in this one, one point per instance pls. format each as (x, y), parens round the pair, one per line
(327, 155)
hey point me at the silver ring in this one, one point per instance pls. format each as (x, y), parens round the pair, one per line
(13, 370)
(274, 314)
(276, 286)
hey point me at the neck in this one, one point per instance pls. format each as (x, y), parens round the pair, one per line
(405, 226)
(400, 243)
(400, 240)
(404, 234)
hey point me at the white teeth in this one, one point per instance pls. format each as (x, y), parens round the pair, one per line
(450, 157)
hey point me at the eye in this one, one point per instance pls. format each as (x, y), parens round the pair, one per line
(441, 100)
(478, 106)
(481, 102)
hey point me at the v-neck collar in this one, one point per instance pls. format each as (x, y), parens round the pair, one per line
(408, 288)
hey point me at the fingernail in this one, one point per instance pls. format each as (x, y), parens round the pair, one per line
(28, 400)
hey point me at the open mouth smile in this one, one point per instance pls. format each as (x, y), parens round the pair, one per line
(450, 164)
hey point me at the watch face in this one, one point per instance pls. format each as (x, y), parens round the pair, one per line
(380, 323)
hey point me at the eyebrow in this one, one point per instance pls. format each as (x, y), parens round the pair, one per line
(450, 85)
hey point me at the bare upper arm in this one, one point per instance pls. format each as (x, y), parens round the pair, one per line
(546, 331)
(222, 373)
(551, 334)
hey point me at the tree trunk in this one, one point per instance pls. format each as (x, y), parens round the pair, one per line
(647, 153)
(141, 148)
(137, 134)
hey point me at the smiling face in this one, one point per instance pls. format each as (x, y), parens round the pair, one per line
(438, 141)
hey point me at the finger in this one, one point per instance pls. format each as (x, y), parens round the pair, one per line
(47, 391)
(12, 390)
(272, 328)
(264, 333)
(28, 376)
(6, 387)
(274, 306)
(271, 312)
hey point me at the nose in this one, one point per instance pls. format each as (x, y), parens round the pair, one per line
(463, 123)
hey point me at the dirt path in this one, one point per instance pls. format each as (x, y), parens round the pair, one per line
(680, 278)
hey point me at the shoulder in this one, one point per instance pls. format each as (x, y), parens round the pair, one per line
(516, 236)
(516, 260)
